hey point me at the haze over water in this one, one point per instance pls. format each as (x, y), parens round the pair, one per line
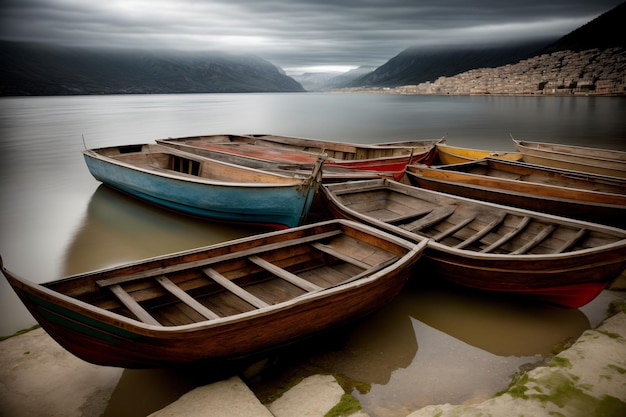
(56, 220)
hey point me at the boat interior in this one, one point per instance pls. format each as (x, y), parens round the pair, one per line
(474, 228)
(208, 287)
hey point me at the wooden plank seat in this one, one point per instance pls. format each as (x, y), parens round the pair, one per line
(435, 216)
(234, 288)
(569, 243)
(284, 274)
(543, 234)
(329, 250)
(186, 298)
(452, 230)
(408, 216)
(133, 305)
(482, 232)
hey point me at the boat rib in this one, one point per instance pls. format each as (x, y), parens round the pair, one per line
(482, 232)
(522, 224)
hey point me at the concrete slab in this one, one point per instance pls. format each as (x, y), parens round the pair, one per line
(230, 398)
(40, 378)
(313, 397)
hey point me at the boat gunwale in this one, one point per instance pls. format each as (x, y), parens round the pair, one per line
(580, 159)
(296, 180)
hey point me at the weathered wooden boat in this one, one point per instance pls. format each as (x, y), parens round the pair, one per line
(491, 247)
(387, 160)
(223, 301)
(576, 158)
(330, 173)
(203, 187)
(455, 155)
(565, 193)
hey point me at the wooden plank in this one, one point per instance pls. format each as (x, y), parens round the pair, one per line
(569, 243)
(452, 230)
(186, 298)
(370, 271)
(482, 232)
(407, 216)
(215, 259)
(508, 236)
(234, 288)
(437, 215)
(329, 250)
(133, 305)
(544, 233)
(284, 274)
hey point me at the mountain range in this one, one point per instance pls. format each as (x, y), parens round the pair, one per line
(38, 69)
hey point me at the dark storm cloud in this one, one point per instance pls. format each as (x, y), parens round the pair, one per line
(300, 33)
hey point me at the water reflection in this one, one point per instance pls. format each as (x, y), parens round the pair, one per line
(430, 345)
(504, 326)
(118, 229)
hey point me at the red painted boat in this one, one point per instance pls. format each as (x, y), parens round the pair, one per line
(488, 246)
(389, 160)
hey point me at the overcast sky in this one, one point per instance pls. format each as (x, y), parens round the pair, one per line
(296, 35)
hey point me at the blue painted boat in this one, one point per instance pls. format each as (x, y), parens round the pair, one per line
(204, 187)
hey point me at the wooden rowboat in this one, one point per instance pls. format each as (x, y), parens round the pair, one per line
(454, 155)
(203, 187)
(491, 247)
(223, 301)
(330, 173)
(576, 158)
(387, 160)
(573, 194)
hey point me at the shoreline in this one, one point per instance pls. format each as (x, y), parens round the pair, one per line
(591, 371)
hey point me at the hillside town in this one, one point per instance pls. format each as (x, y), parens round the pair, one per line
(589, 72)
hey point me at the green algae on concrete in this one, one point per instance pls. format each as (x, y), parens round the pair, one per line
(20, 332)
(347, 406)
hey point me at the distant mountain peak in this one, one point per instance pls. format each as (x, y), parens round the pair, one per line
(416, 65)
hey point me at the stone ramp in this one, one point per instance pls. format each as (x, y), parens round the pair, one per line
(230, 397)
(314, 396)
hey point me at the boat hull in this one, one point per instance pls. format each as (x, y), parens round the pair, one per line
(97, 339)
(564, 281)
(277, 206)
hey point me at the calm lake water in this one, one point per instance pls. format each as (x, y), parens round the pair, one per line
(433, 345)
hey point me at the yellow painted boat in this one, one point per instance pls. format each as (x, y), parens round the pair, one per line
(454, 155)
